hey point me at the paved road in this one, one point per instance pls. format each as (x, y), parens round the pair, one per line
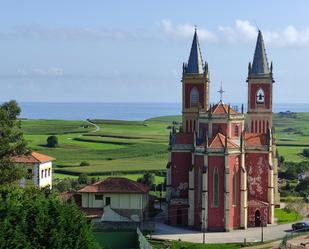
(271, 232)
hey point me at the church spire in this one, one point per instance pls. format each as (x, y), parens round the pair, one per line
(259, 64)
(195, 63)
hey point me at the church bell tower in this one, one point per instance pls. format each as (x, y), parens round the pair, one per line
(260, 90)
(195, 83)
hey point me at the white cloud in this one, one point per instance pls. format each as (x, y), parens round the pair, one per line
(53, 71)
(71, 33)
(185, 31)
(241, 32)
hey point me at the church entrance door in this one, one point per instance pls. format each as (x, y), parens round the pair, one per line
(257, 218)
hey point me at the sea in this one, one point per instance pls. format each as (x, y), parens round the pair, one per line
(119, 111)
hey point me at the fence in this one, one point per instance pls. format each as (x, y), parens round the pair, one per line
(286, 241)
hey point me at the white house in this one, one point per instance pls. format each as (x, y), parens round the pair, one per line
(117, 198)
(39, 169)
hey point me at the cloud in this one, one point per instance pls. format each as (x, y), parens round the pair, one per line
(53, 71)
(71, 33)
(242, 31)
(185, 31)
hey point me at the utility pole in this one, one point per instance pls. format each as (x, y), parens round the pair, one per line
(262, 232)
(203, 228)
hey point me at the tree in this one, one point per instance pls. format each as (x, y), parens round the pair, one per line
(148, 179)
(12, 143)
(303, 187)
(32, 218)
(52, 142)
(83, 179)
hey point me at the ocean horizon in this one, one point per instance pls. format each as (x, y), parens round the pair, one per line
(119, 111)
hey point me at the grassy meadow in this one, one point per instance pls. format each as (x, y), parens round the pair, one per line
(114, 147)
(117, 147)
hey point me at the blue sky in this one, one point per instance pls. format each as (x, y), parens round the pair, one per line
(132, 51)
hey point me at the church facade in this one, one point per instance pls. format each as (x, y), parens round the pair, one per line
(222, 166)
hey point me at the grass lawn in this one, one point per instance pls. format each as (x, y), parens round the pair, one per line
(284, 217)
(132, 147)
(161, 244)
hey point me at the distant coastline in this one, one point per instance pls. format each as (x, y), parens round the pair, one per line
(118, 111)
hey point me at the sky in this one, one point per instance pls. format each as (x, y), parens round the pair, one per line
(132, 51)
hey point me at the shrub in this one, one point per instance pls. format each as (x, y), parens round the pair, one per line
(83, 179)
(306, 152)
(84, 163)
(52, 142)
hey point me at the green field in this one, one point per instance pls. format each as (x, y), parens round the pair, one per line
(283, 216)
(292, 136)
(132, 147)
(118, 147)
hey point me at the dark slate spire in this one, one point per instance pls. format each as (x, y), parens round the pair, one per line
(195, 63)
(260, 64)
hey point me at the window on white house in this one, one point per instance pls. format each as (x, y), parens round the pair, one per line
(49, 172)
(194, 98)
(98, 197)
(42, 173)
(216, 188)
(45, 173)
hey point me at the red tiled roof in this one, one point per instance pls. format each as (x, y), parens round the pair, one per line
(257, 203)
(221, 108)
(219, 142)
(255, 139)
(115, 185)
(34, 157)
(182, 138)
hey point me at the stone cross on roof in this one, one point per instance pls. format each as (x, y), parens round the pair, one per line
(221, 92)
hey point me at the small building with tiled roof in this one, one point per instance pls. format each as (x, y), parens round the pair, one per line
(115, 197)
(222, 169)
(39, 169)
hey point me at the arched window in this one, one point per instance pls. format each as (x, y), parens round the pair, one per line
(216, 188)
(187, 125)
(234, 187)
(260, 96)
(236, 131)
(194, 98)
(252, 126)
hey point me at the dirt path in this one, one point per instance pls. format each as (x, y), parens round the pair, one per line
(96, 126)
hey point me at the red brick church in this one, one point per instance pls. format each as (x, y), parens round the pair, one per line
(222, 166)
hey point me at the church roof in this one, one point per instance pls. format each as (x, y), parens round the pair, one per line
(259, 64)
(184, 138)
(221, 108)
(255, 139)
(195, 63)
(34, 157)
(115, 185)
(219, 142)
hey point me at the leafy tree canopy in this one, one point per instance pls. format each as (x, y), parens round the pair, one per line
(52, 141)
(12, 143)
(32, 218)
